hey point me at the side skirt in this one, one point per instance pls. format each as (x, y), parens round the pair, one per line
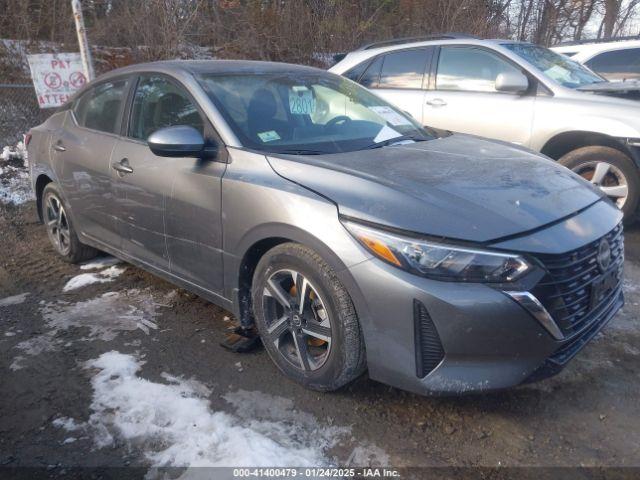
(208, 295)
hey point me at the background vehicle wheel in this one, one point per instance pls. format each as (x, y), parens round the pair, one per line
(612, 171)
(306, 318)
(60, 229)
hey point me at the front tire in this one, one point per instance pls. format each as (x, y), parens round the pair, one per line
(610, 170)
(60, 229)
(306, 319)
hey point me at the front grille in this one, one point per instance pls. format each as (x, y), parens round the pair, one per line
(555, 363)
(566, 289)
(429, 351)
(602, 316)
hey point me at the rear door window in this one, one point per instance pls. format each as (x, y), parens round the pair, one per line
(404, 69)
(100, 108)
(617, 65)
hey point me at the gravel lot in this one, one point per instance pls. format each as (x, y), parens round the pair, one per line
(120, 368)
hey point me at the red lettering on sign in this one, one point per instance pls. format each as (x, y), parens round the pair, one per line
(62, 64)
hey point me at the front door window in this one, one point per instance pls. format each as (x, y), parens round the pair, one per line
(470, 69)
(159, 103)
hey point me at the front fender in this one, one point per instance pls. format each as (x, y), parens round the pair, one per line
(585, 113)
(260, 205)
(611, 127)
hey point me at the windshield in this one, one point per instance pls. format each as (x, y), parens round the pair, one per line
(307, 113)
(560, 68)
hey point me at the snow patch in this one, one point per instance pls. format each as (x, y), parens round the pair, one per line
(17, 153)
(38, 344)
(630, 286)
(104, 317)
(15, 300)
(17, 363)
(101, 262)
(85, 279)
(369, 455)
(15, 186)
(174, 425)
(67, 423)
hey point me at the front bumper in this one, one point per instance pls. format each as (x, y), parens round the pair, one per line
(569, 349)
(484, 339)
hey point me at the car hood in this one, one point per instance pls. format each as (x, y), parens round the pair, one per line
(458, 187)
(612, 87)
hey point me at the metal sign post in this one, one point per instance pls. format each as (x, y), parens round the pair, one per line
(85, 53)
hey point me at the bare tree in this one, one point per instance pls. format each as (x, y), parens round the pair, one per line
(303, 31)
(611, 12)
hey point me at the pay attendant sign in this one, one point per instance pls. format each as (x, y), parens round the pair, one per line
(56, 77)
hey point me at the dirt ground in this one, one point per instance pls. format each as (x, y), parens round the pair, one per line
(586, 416)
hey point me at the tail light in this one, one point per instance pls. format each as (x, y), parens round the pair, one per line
(27, 139)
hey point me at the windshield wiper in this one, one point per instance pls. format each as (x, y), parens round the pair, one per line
(391, 141)
(301, 151)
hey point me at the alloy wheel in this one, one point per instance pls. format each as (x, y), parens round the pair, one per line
(58, 225)
(297, 320)
(606, 177)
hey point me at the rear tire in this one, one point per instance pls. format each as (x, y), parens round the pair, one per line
(610, 170)
(326, 332)
(60, 229)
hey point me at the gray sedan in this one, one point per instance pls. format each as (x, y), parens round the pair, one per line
(346, 234)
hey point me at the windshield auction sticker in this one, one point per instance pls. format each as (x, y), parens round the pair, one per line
(269, 136)
(56, 77)
(390, 115)
(301, 101)
(386, 133)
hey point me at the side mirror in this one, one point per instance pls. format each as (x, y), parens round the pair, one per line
(512, 82)
(177, 141)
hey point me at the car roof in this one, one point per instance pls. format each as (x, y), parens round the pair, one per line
(584, 51)
(214, 67)
(437, 41)
(357, 56)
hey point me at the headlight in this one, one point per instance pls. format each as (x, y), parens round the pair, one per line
(439, 261)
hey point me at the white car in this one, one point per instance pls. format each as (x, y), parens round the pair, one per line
(516, 92)
(616, 60)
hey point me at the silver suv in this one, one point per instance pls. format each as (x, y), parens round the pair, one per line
(517, 92)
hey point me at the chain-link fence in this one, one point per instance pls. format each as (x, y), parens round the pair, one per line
(19, 111)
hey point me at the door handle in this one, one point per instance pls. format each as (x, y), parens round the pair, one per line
(436, 102)
(59, 148)
(122, 166)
